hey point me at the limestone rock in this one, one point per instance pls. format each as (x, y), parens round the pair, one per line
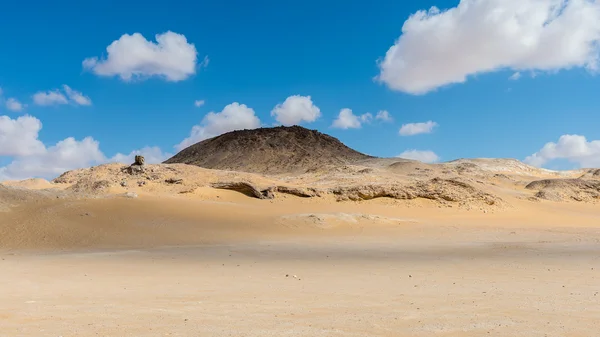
(174, 181)
(245, 188)
(139, 160)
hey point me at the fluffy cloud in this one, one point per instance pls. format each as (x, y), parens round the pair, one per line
(422, 156)
(14, 105)
(49, 98)
(56, 97)
(296, 109)
(574, 148)
(384, 115)
(77, 96)
(348, 120)
(199, 103)
(234, 116)
(438, 48)
(66, 155)
(31, 158)
(171, 58)
(152, 155)
(412, 129)
(19, 137)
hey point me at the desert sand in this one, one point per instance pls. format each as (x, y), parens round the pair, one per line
(378, 248)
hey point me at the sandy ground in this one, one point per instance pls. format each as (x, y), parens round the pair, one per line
(229, 265)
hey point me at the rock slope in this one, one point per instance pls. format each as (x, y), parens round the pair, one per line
(269, 151)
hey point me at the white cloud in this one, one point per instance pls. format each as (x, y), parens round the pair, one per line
(204, 62)
(19, 137)
(438, 48)
(56, 97)
(234, 116)
(31, 158)
(49, 98)
(417, 128)
(422, 156)
(152, 155)
(348, 120)
(199, 103)
(68, 154)
(574, 148)
(384, 115)
(171, 58)
(77, 96)
(14, 105)
(515, 76)
(296, 109)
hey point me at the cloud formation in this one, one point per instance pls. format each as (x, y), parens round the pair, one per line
(348, 120)
(384, 116)
(76, 96)
(67, 154)
(234, 116)
(413, 129)
(574, 148)
(422, 156)
(515, 76)
(199, 103)
(13, 105)
(171, 58)
(54, 97)
(295, 110)
(19, 137)
(31, 158)
(152, 155)
(57, 97)
(438, 48)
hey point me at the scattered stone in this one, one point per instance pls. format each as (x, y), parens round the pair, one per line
(174, 181)
(131, 195)
(141, 183)
(134, 169)
(123, 183)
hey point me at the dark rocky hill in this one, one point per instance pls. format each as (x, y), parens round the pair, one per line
(274, 150)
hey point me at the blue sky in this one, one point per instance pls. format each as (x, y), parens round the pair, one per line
(452, 67)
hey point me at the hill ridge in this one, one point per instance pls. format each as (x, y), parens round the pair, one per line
(269, 150)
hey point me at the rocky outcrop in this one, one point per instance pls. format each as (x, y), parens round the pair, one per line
(137, 167)
(245, 188)
(566, 189)
(185, 179)
(299, 192)
(445, 190)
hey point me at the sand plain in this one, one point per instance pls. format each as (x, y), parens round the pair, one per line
(385, 248)
(229, 265)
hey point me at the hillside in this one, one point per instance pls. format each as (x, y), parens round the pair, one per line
(269, 151)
